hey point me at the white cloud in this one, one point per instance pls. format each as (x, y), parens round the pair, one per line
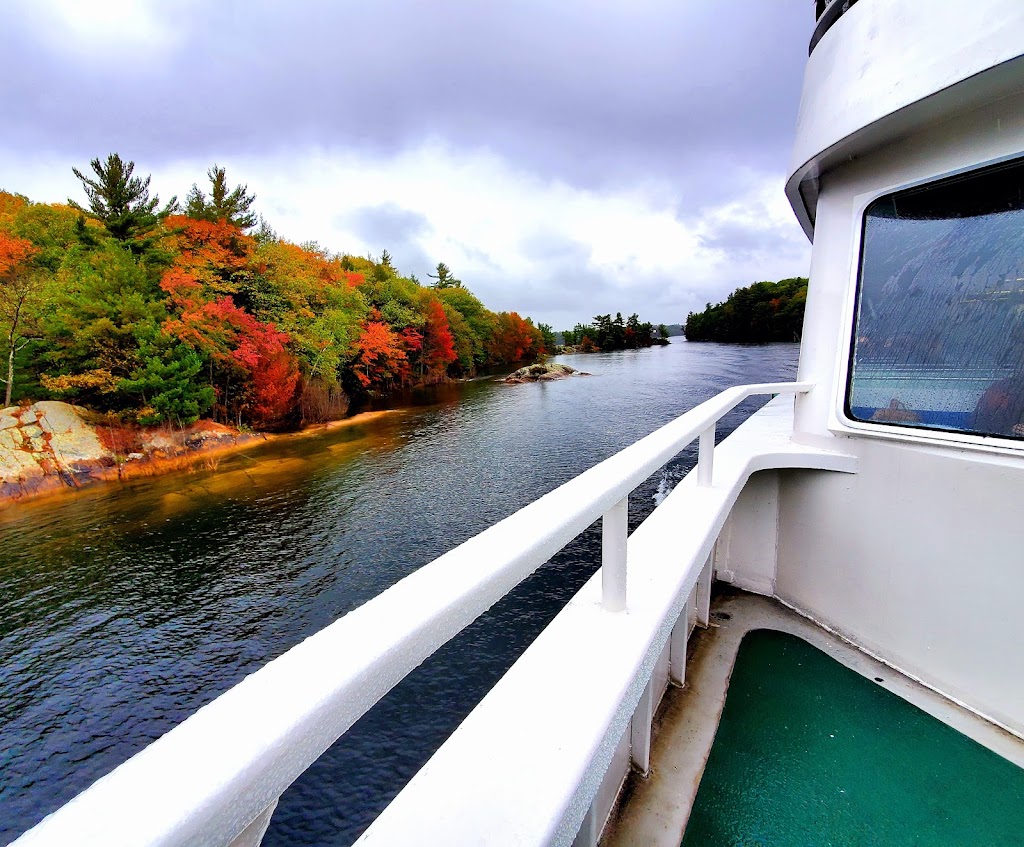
(104, 32)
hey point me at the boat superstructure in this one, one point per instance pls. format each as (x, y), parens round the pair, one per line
(876, 497)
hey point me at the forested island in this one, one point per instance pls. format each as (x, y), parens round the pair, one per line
(163, 313)
(608, 333)
(762, 312)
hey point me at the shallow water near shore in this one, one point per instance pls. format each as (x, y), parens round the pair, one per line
(125, 607)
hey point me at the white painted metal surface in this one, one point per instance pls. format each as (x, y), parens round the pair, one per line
(542, 740)
(889, 68)
(214, 775)
(917, 559)
(706, 456)
(614, 529)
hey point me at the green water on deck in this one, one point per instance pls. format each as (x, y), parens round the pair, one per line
(811, 753)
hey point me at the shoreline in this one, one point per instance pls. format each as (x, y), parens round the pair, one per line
(56, 479)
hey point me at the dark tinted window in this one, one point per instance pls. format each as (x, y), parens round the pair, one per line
(939, 333)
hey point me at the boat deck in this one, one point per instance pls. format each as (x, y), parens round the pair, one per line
(818, 744)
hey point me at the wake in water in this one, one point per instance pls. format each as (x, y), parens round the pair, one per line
(665, 486)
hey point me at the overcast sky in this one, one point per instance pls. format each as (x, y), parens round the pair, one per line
(565, 157)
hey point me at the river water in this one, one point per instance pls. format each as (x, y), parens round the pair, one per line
(124, 608)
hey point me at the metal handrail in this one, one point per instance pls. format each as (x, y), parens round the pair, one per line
(215, 778)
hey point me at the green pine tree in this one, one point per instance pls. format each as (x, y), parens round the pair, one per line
(232, 206)
(121, 202)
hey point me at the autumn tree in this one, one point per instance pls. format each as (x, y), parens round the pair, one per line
(462, 341)
(162, 317)
(262, 353)
(382, 359)
(477, 327)
(18, 287)
(215, 253)
(122, 202)
(514, 340)
(437, 349)
(222, 205)
(318, 302)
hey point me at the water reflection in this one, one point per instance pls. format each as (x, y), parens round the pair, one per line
(125, 608)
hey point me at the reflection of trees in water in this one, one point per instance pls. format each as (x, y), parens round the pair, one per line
(943, 292)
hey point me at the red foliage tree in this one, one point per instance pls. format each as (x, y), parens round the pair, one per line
(272, 370)
(252, 355)
(438, 344)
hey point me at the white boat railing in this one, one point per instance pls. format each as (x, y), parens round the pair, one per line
(215, 779)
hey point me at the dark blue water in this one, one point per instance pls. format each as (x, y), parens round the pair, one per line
(125, 608)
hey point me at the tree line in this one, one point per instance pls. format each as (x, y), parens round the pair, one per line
(608, 333)
(168, 312)
(762, 312)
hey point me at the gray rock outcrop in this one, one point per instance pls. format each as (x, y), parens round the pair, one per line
(542, 373)
(47, 439)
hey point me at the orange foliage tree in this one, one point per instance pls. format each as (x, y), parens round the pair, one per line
(514, 340)
(382, 360)
(215, 253)
(17, 287)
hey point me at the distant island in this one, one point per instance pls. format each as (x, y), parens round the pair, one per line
(160, 314)
(762, 312)
(607, 333)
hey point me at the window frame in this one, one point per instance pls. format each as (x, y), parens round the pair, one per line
(840, 420)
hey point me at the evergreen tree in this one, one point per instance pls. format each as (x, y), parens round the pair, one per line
(444, 277)
(232, 206)
(265, 233)
(764, 311)
(121, 202)
(549, 337)
(166, 382)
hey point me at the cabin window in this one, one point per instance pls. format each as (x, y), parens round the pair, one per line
(939, 333)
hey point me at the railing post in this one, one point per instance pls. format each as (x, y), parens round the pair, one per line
(253, 834)
(706, 456)
(640, 731)
(677, 647)
(587, 836)
(704, 591)
(614, 528)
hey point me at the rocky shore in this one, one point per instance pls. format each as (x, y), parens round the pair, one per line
(49, 446)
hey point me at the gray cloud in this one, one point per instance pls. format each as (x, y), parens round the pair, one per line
(554, 248)
(385, 224)
(392, 228)
(695, 98)
(592, 95)
(743, 242)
